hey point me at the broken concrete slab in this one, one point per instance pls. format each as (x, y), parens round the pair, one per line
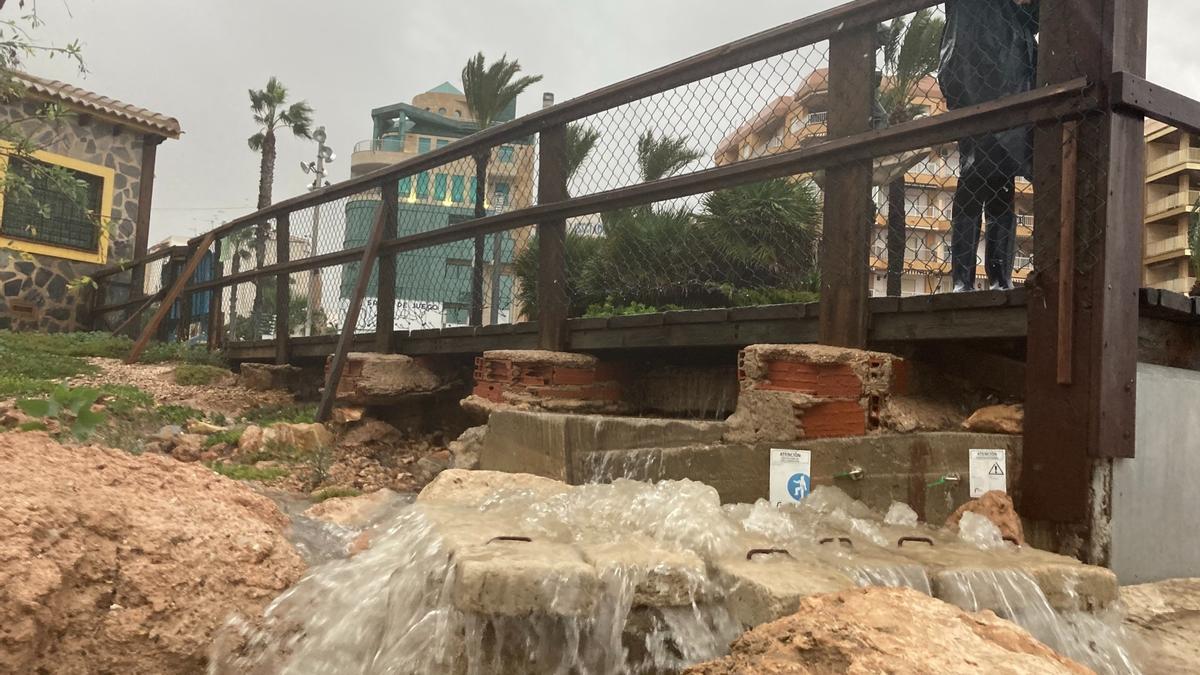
(661, 577)
(470, 489)
(766, 586)
(509, 577)
(264, 376)
(556, 445)
(383, 379)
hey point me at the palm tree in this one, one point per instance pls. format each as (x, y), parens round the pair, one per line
(581, 140)
(239, 250)
(663, 156)
(489, 91)
(272, 112)
(910, 54)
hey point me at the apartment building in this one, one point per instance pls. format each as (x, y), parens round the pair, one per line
(799, 119)
(1172, 201)
(434, 284)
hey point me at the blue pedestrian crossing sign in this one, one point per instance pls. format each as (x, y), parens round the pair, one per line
(791, 475)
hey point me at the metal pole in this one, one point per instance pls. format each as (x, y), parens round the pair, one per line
(497, 250)
(318, 169)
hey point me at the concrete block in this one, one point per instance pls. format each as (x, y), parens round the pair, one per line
(470, 489)
(382, 379)
(770, 586)
(662, 578)
(517, 578)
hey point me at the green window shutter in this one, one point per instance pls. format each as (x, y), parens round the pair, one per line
(442, 143)
(506, 154)
(423, 185)
(405, 187)
(423, 145)
(458, 188)
(472, 185)
(439, 187)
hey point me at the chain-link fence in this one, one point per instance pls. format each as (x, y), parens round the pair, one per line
(958, 214)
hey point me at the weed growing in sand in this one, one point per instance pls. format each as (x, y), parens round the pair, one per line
(194, 374)
(290, 413)
(230, 436)
(70, 408)
(179, 415)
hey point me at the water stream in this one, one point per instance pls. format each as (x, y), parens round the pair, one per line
(398, 606)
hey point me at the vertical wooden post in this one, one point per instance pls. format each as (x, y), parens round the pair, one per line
(849, 209)
(141, 230)
(385, 308)
(1068, 426)
(334, 375)
(172, 266)
(215, 325)
(283, 289)
(185, 310)
(552, 291)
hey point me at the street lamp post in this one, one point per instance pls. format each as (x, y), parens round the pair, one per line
(317, 168)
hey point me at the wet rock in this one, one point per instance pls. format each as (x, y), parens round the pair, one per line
(997, 419)
(116, 563)
(305, 438)
(429, 466)
(472, 488)
(168, 434)
(768, 586)
(467, 448)
(203, 428)
(1165, 617)
(382, 379)
(188, 447)
(886, 630)
(265, 377)
(997, 507)
(357, 512)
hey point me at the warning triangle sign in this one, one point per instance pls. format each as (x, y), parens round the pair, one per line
(997, 470)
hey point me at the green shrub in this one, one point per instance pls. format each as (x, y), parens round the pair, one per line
(123, 399)
(161, 352)
(193, 374)
(334, 493)
(178, 415)
(290, 413)
(72, 408)
(32, 426)
(229, 436)
(14, 385)
(244, 472)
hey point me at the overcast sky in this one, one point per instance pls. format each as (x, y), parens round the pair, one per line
(195, 61)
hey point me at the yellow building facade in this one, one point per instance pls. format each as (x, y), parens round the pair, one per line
(1172, 196)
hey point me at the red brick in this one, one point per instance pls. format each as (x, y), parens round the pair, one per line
(491, 392)
(572, 376)
(827, 380)
(834, 419)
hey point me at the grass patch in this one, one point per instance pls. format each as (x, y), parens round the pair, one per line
(243, 472)
(123, 399)
(335, 493)
(162, 352)
(33, 426)
(229, 436)
(290, 413)
(196, 374)
(179, 415)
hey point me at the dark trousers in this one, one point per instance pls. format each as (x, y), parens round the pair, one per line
(983, 194)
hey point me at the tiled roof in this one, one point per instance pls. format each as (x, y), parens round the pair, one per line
(126, 113)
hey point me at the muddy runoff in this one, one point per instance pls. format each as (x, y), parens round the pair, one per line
(504, 573)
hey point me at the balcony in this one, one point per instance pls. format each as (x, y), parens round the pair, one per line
(1170, 247)
(1182, 285)
(1180, 200)
(376, 153)
(1172, 161)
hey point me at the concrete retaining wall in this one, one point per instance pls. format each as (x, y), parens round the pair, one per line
(1156, 496)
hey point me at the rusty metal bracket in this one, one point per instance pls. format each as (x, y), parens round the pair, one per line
(844, 541)
(914, 540)
(767, 551)
(526, 540)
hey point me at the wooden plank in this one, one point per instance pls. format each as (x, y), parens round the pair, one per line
(283, 289)
(587, 323)
(334, 376)
(1066, 251)
(796, 331)
(767, 312)
(849, 209)
(145, 202)
(1134, 93)
(695, 316)
(962, 324)
(176, 288)
(972, 300)
(215, 324)
(552, 292)
(636, 320)
(882, 304)
(385, 305)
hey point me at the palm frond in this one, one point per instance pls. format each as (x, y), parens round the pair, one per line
(663, 156)
(256, 141)
(581, 140)
(490, 89)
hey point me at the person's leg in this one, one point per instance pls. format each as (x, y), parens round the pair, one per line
(1000, 246)
(965, 218)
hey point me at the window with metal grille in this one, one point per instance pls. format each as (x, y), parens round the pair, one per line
(38, 207)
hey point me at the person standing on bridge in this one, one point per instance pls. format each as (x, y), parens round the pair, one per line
(989, 51)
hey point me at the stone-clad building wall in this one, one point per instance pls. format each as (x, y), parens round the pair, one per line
(45, 282)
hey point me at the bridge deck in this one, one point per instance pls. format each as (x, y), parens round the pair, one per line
(985, 315)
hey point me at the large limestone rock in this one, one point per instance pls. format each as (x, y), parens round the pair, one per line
(997, 419)
(884, 630)
(507, 577)
(358, 513)
(382, 379)
(114, 563)
(661, 577)
(1164, 619)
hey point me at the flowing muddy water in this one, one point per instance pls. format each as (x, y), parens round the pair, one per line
(400, 606)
